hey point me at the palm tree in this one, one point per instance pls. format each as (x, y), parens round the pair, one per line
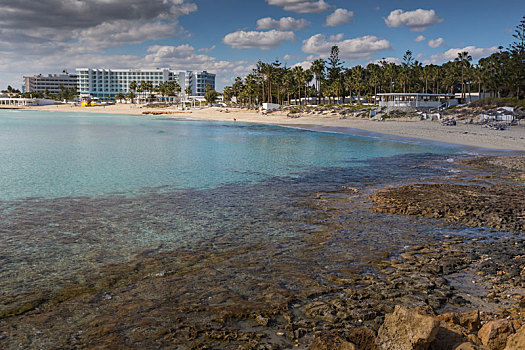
(120, 96)
(299, 76)
(463, 60)
(318, 68)
(358, 73)
(133, 88)
(188, 91)
(375, 76)
(131, 96)
(308, 77)
(348, 83)
(391, 70)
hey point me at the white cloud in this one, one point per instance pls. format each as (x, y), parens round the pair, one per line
(362, 47)
(336, 37)
(338, 17)
(207, 49)
(417, 20)
(475, 52)
(304, 64)
(420, 38)
(254, 39)
(435, 43)
(302, 6)
(124, 32)
(387, 60)
(284, 23)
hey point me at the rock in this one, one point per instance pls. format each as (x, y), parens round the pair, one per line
(261, 320)
(449, 336)
(466, 346)
(406, 329)
(494, 334)
(331, 342)
(469, 320)
(516, 341)
(362, 337)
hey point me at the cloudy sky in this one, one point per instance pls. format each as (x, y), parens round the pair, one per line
(227, 37)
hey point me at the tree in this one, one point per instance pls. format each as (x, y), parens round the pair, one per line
(188, 91)
(131, 96)
(211, 97)
(120, 96)
(133, 86)
(227, 93)
(299, 77)
(463, 61)
(391, 70)
(357, 77)
(318, 68)
(517, 62)
(335, 67)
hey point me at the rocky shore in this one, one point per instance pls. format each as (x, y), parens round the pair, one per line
(498, 205)
(448, 292)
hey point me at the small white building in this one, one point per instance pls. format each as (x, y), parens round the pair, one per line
(416, 100)
(20, 102)
(270, 106)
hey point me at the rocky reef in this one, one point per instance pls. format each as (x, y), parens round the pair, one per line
(338, 287)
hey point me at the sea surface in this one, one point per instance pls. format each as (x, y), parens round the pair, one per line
(80, 192)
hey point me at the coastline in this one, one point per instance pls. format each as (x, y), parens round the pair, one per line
(371, 255)
(512, 139)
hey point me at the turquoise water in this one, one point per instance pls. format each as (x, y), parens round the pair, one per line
(79, 192)
(49, 154)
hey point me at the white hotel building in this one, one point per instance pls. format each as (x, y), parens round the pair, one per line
(107, 83)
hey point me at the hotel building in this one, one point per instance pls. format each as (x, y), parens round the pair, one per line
(107, 83)
(50, 83)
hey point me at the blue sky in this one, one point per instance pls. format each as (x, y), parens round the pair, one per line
(227, 37)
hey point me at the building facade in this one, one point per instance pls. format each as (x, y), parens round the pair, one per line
(50, 83)
(200, 81)
(107, 83)
(416, 100)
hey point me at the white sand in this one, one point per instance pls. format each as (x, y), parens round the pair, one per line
(462, 134)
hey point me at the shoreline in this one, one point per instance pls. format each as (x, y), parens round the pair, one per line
(470, 135)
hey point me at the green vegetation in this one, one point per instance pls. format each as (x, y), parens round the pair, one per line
(501, 74)
(211, 96)
(499, 102)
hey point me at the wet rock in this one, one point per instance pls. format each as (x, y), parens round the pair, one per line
(516, 341)
(331, 342)
(494, 334)
(406, 329)
(261, 320)
(499, 206)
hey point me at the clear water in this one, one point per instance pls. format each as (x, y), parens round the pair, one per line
(79, 192)
(46, 154)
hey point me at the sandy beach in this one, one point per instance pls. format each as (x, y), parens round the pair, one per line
(462, 134)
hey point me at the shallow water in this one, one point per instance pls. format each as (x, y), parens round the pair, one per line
(80, 192)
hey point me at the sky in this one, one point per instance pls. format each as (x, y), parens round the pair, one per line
(228, 37)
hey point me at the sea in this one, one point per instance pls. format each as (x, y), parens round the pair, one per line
(81, 193)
